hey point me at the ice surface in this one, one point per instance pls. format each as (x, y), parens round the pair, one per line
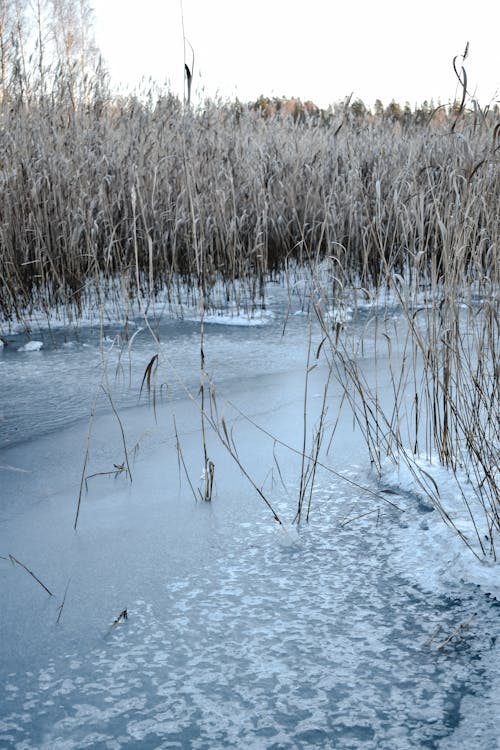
(239, 634)
(70, 367)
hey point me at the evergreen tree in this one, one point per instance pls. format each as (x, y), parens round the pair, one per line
(393, 111)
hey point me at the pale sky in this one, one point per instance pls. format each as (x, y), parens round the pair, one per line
(312, 49)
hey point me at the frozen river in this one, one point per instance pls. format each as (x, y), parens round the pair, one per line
(240, 633)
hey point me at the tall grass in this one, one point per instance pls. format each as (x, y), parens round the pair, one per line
(133, 197)
(443, 356)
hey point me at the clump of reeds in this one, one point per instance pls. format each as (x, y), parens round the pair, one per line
(444, 351)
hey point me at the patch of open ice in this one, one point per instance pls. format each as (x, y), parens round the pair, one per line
(31, 346)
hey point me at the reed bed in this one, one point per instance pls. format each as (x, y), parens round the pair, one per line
(147, 196)
(438, 328)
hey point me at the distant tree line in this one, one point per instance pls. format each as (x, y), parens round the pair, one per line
(357, 110)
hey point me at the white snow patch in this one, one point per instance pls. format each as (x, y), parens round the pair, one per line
(237, 319)
(288, 536)
(339, 315)
(31, 346)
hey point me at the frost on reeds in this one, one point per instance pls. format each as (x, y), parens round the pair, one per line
(440, 336)
(145, 196)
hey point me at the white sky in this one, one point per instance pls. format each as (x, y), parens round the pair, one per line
(316, 49)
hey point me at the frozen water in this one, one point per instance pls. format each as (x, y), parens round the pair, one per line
(239, 633)
(70, 366)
